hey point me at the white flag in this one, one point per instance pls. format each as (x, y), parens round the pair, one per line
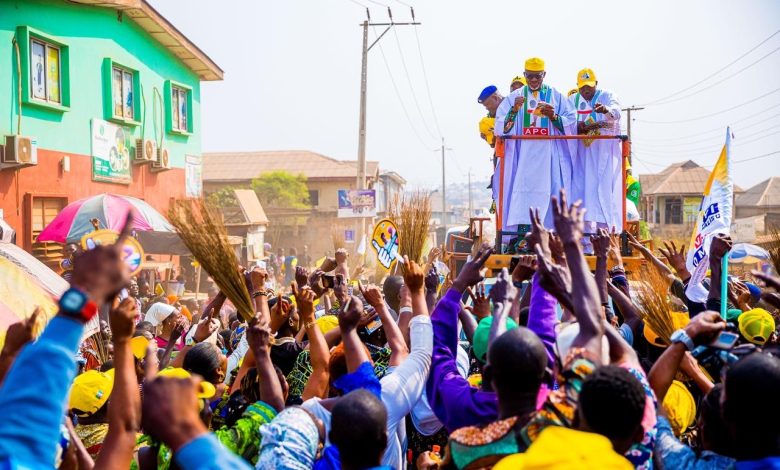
(714, 218)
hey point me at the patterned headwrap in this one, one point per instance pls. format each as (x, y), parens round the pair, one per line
(289, 441)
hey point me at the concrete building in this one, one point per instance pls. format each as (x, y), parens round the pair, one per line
(670, 199)
(318, 226)
(106, 99)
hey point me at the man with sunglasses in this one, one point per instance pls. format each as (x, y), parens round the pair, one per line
(597, 169)
(532, 170)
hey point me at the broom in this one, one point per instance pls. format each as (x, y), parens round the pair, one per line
(412, 215)
(655, 306)
(774, 248)
(202, 231)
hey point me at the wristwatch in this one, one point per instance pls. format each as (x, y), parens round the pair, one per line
(680, 336)
(76, 304)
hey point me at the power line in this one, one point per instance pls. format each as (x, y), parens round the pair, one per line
(714, 73)
(717, 112)
(411, 85)
(718, 129)
(398, 94)
(425, 78)
(756, 157)
(708, 140)
(718, 82)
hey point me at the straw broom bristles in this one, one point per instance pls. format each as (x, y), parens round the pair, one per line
(204, 234)
(655, 305)
(412, 215)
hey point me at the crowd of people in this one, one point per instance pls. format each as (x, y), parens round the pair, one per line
(550, 366)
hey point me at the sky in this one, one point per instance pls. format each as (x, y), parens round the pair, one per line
(292, 76)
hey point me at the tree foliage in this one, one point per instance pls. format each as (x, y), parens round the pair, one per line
(225, 197)
(280, 189)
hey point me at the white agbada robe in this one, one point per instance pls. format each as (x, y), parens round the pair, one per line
(597, 172)
(534, 169)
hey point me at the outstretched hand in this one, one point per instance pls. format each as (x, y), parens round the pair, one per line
(503, 290)
(472, 272)
(538, 234)
(480, 302)
(414, 276)
(21, 333)
(524, 269)
(351, 314)
(569, 220)
(122, 319)
(674, 256)
(601, 243)
(554, 278)
(373, 295)
(101, 272)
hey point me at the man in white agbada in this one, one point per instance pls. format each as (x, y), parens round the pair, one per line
(597, 173)
(532, 170)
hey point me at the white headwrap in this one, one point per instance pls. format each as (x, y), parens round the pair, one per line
(158, 312)
(289, 441)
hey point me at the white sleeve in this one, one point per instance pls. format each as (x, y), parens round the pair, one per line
(236, 356)
(403, 388)
(502, 111)
(613, 106)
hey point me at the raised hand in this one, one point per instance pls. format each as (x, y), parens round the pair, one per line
(21, 333)
(122, 319)
(304, 299)
(538, 234)
(524, 269)
(432, 280)
(769, 281)
(350, 314)
(601, 243)
(259, 336)
(614, 248)
(433, 254)
(373, 295)
(472, 272)
(207, 326)
(568, 219)
(170, 410)
(481, 304)
(101, 272)
(258, 276)
(503, 290)
(555, 279)
(674, 256)
(414, 276)
(719, 246)
(315, 282)
(704, 327)
(301, 276)
(328, 265)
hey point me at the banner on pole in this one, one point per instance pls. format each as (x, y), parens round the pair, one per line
(714, 217)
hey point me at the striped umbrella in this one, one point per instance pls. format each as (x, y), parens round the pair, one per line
(20, 294)
(73, 222)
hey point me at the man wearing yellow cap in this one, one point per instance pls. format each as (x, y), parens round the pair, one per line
(517, 82)
(597, 176)
(532, 170)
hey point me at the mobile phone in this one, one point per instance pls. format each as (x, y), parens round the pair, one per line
(726, 340)
(513, 263)
(374, 325)
(328, 281)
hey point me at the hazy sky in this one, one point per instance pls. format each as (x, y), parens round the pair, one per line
(292, 75)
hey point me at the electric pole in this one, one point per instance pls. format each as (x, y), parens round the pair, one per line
(628, 127)
(361, 166)
(443, 185)
(471, 204)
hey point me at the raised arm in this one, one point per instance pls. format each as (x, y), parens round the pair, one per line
(395, 339)
(124, 409)
(259, 337)
(502, 294)
(319, 353)
(648, 255)
(16, 337)
(569, 226)
(349, 317)
(414, 280)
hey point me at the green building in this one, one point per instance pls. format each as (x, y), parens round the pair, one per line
(95, 96)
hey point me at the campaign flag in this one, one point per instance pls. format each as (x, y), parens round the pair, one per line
(714, 218)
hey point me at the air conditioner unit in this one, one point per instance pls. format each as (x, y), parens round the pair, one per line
(145, 151)
(163, 161)
(20, 150)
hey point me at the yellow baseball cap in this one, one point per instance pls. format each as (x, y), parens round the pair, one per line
(680, 407)
(520, 79)
(534, 64)
(327, 323)
(586, 77)
(572, 91)
(486, 129)
(90, 391)
(207, 389)
(558, 447)
(679, 320)
(756, 325)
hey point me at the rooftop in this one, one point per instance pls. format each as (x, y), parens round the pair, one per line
(683, 178)
(165, 33)
(243, 166)
(765, 193)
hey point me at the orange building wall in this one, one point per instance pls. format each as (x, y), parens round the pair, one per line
(48, 179)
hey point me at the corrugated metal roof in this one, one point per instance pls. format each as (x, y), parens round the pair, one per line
(765, 193)
(250, 206)
(683, 178)
(243, 166)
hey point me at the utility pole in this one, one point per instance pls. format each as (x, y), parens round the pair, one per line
(471, 204)
(443, 190)
(628, 127)
(361, 166)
